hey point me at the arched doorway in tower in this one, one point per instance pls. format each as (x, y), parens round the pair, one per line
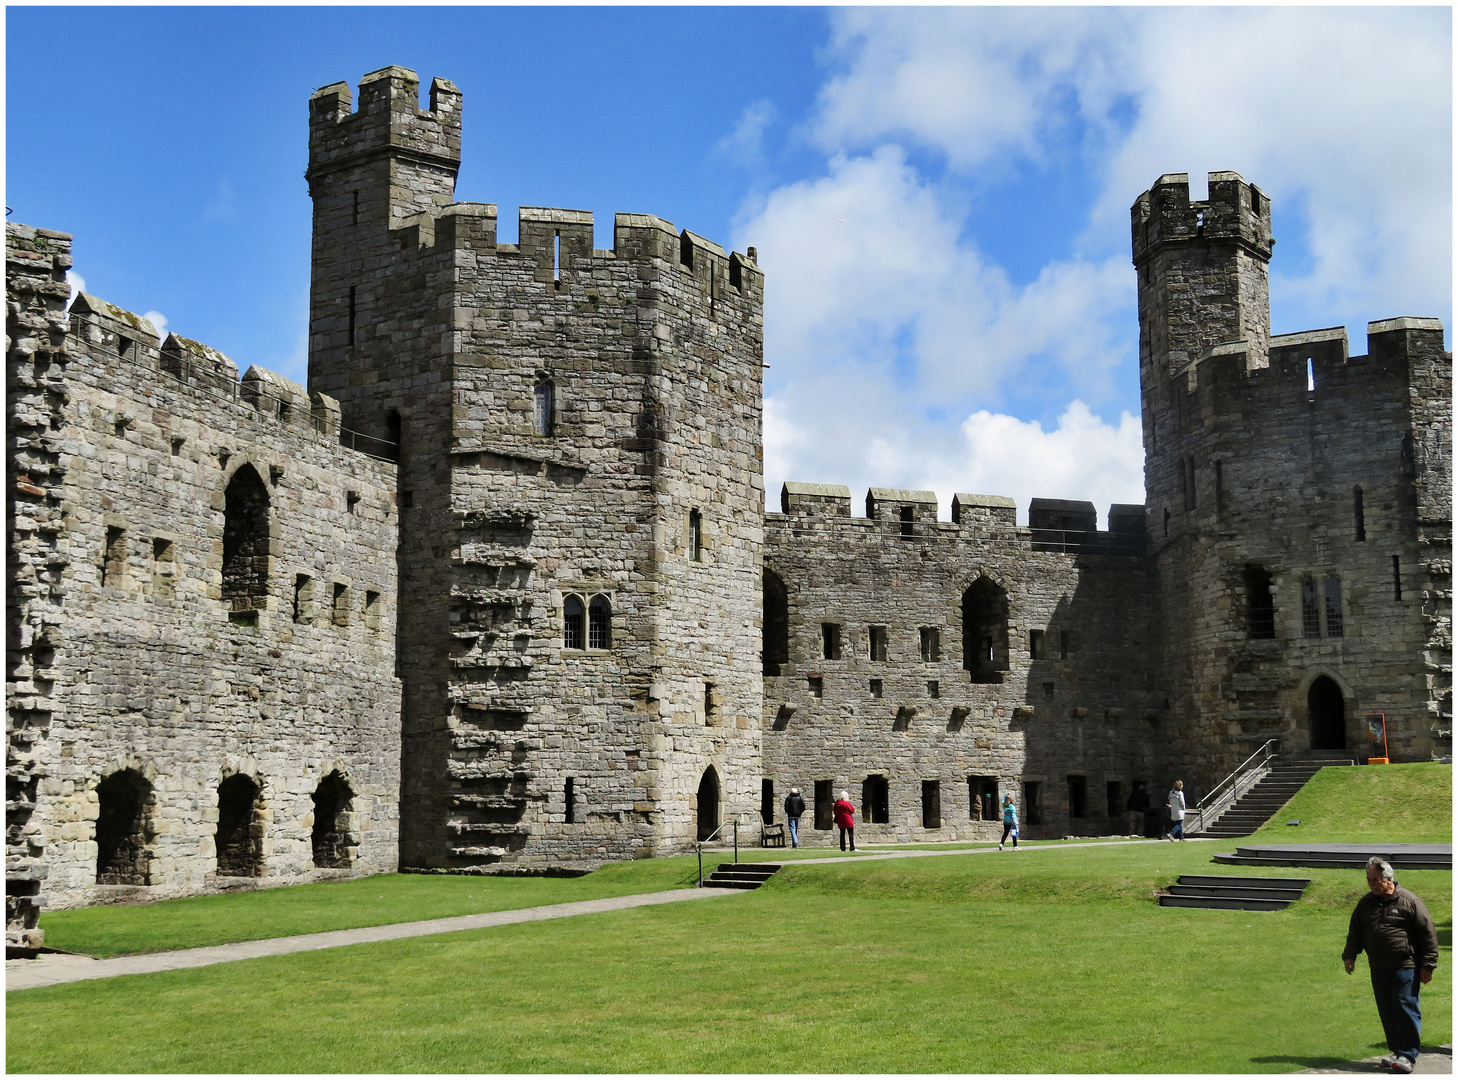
(708, 803)
(1326, 715)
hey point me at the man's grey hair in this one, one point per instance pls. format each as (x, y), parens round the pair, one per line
(1379, 863)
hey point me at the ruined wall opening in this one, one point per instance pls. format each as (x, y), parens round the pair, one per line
(1077, 796)
(775, 624)
(931, 804)
(982, 798)
(984, 631)
(879, 638)
(1113, 798)
(767, 801)
(707, 806)
(1260, 605)
(245, 542)
(333, 801)
(125, 799)
(824, 805)
(239, 839)
(931, 644)
(1326, 715)
(830, 640)
(876, 800)
(114, 558)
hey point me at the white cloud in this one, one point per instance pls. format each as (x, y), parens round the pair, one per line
(77, 283)
(745, 144)
(158, 320)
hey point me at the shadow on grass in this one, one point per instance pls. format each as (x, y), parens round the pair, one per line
(1326, 1064)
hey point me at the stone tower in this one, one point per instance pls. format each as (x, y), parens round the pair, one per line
(1297, 499)
(578, 435)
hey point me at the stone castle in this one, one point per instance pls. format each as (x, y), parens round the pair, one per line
(499, 592)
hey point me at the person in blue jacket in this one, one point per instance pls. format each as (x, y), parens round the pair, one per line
(1009, 822)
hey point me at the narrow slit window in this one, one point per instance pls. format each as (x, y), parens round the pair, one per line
(352, 292)
(354, 208)
(1219, 485)
(931, 804)
(1396, 578)
(1310, 612)
(569, 799)
(933, 689)
(1078, 796)
(1260, 609)
(695, 536)
(1333, 592)
(1359, 516)
(164, 567)
(557, 258)
(1063, 643)
(372, 609)
(686, 250)
(1310, 375)
(711, 704)
(543, 407)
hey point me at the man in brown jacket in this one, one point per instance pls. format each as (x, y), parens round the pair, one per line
(1395, 929)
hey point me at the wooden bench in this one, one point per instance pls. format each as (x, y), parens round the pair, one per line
(772, 836)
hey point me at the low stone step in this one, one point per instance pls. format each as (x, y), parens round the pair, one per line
(741, 875)
(1215, 891)
(1228, 903)
(1298, 883)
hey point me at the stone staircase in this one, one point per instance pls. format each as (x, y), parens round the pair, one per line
(1273, 791)
(1234, 893)
(741, 875)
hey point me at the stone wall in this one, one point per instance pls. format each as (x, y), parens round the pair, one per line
(158, 665)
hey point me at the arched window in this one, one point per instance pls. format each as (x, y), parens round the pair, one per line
(239, 839)
(775, 623)
(331, 841)
(544, 407)
(121, 829)
(599, 623)
(573, 631)
(245, 542)
(708, 804)
(1333, 606)
(984, 631)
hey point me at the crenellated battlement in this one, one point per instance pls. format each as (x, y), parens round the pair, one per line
(389, 117)
(1234, 211)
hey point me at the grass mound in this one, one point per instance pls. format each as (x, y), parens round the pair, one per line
(1412, 803)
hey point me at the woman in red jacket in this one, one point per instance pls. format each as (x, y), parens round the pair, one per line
(845, 819)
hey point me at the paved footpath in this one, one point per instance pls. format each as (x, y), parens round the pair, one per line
(49, 969)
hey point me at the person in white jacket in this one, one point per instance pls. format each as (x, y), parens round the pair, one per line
(1176, 808)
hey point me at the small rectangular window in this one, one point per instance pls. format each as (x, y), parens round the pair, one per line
(931, 804)
(908, 516)
(695, 536)
(1037, 647)
(878, 642)
(1219, 485)
(933, 689)
(354, 207)
(1032, 802)
(711, 705)
(1113, 798)
(569, 800)
(303, 598)
(164, 567)
(351, 500)
(1333, 606)
(372, 609)
(877, 688)
(1078, 796)
(1064, 644)
(1050, 690)
(830, 640)
(982, 798)
(1310, 611)
(816, 685)
(341, 605)
(114, 558)
(931, 644)
(767, 801)
(1260, 606)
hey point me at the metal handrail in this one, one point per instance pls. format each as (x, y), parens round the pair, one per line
(699, 844)
(1219, 798)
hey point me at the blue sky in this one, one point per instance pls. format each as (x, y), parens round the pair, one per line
(939, 196)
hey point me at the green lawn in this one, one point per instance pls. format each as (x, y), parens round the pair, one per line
(1051, 960)
(1368, 802)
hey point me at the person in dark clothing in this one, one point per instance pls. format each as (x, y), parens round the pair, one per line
(1138, 807)
(845, 820)
(794, 807)
(1395, 930)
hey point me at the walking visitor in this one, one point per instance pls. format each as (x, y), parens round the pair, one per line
(794, 807)
(1009, 822)
(845, 819)
(1176, 808)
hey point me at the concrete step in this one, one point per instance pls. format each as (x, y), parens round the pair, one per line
(1298, 883)
(1229, 903)
(741, 875)
(1234, 893)
(1235, 890)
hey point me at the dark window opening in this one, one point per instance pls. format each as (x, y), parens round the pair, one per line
(573, 636)
(330, 838)
(686, 250)
(123, 346)
(1310, 612)
(303, 598)
(876, 800)
(830, 640)
(543, 407)
(1113, 798)
(1065, 644)
(164, 567)
(931, 644)
(736, 272)
(878, 642)
(114, 558)
(695, 536)
(1396, 578)
(931, 804)
(708, 804)
(352, 294)
(711, 704)
(599, 623)
(1050, 690)
(1166, 523)
(1032, 802)
(177, 446)
(569, 800)
(877, 688)
(1188, 465)
(354, 208)
(1219, 486)
(1078, 796)
(933, 689)
(122, 858)
(984, 631)
(907, 519)
(351, 500)
(1359, 517)
(1037, 645)
(245, 542)
(239, 839)
(394, 427)
(372, 610)
(1260, 605)
(824, 804)
(1326, 715)
(816, 685)
(775, 624)
(340, 611)
(982, 798)
(767, 801)
(1333, 592)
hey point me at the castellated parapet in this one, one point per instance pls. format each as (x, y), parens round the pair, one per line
(200, 689)
(609, 649)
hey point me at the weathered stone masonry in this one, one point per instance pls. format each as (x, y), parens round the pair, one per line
(606, 648)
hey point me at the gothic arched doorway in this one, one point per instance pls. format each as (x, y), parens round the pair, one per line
(708, 803)
(1326, 715)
